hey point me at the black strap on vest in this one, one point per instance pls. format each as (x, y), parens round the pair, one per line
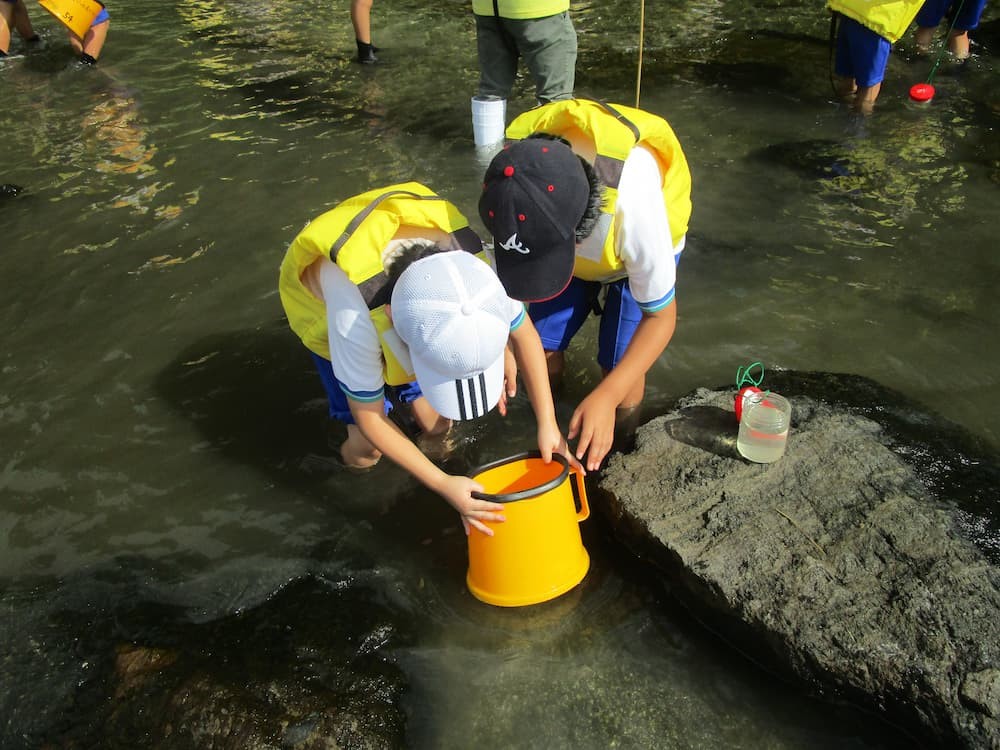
(608, 168)
(364, 213)
(622, 119)
(375, 290)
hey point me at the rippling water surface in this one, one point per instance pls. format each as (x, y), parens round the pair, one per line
(164, 435)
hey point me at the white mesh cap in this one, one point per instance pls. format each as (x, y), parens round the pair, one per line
(452, 312)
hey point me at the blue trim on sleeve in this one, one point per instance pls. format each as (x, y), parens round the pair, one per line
(657, 305)
(516, 322)
(364, 396)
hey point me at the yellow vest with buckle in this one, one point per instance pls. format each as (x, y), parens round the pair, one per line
(615, 129)
(887, 18)
(354, 235)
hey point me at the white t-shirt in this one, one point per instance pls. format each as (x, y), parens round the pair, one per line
(355, 350)
(642, 232)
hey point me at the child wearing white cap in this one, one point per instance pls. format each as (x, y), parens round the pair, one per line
(387, 292)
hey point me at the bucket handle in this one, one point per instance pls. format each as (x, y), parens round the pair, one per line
(511, 497)
(579, 494)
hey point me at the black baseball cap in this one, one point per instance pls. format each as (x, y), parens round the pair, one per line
(534, 194)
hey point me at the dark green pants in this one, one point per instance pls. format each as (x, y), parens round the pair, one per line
(547, 45)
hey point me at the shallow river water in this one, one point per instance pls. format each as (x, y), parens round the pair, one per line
(163, 435)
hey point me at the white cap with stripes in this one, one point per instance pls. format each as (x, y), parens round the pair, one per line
(454, 315)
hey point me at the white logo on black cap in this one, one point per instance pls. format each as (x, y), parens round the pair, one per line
(513, 243)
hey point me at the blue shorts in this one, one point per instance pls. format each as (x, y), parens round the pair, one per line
(933, 12)
(861, 53)
(557, 320)
(339, 406)
(100, 17)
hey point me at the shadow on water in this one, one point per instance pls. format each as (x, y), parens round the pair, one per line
(255, 396)
(767, 63)
(817, 159)
(745, 76)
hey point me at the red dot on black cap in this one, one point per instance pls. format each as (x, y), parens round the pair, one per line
(552, 188)
(520, 217)
(491, 214)
(508, 171)
(545, 149)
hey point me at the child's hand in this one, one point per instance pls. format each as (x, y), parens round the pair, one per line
(593, 423)
(509, 381)
(457, 490)
(550, 441)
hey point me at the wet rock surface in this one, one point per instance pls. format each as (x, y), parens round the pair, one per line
(862, 563)
(306, 670)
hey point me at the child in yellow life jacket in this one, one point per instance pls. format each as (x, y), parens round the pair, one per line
(592, 203)
(866, 32)
(387, 292)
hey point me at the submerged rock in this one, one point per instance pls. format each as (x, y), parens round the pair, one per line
(306, 670)
(858, 563)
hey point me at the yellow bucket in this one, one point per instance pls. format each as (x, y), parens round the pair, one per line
(76, 14)
(537, 553)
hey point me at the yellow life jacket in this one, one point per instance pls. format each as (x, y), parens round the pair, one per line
(519, 9)
(615, 130)
(354, 235)
(887, 18)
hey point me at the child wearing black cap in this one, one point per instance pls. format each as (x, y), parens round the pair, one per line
(598, 205)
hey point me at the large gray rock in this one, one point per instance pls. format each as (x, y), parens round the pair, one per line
(843, 564)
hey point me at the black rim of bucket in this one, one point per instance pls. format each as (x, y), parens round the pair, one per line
(511, 497)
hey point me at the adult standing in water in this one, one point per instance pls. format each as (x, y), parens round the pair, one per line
(539, 31)
(593, 200)
(361, 20)
(387, 292)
